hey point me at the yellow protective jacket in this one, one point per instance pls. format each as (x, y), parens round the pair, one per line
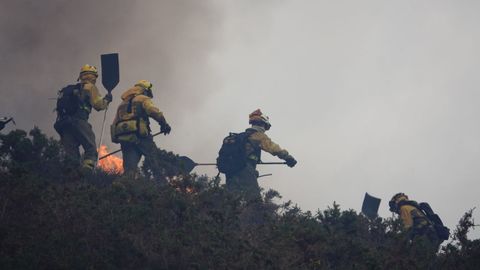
(412, 217)
(141, 104)
(135, 108)
(258, 141)
(90, 91)
(89, 98)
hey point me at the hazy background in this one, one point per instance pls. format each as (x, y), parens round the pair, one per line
(369, 96)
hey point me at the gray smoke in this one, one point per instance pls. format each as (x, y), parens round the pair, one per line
(44, 44)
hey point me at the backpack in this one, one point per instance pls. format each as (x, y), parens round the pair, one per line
(232, 155)
(131, 127)
(68, 101)
(442, 232)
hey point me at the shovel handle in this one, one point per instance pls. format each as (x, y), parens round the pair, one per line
(205, 164)
(109, 154)
(261, 163)
(198, 164)
(116, 151)
(271, 163)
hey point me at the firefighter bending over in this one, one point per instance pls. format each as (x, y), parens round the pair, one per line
(131, 126)
(419, 220)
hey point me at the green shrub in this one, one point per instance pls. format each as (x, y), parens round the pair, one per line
(52, 217)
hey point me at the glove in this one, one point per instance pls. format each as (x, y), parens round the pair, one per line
(290, 161)
(108, 97)
(165, 129)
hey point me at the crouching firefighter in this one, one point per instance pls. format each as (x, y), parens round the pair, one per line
(419, 220)
(240, 153)
(74, 105)
(131, 127)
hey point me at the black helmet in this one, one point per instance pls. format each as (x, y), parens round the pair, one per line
(393, 203)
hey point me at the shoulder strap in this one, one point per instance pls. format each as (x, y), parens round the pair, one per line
(246, 134)
(129, 108)
(83, 97)
(250, 131)
(411, 203)
(70, 87)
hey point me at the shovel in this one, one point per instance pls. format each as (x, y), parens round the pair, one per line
(116, 151)
(188, 164)
(110, 79)
(370, 206)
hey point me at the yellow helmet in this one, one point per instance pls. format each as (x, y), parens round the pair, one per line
(88, 69)
(258, 117)
(145, 84)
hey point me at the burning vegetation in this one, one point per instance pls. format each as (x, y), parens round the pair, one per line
(111, 164)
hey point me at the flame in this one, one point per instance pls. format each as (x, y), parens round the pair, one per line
(110, 164)
(178, 183)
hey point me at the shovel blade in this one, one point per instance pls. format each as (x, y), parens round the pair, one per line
(370, 206)
(186, 164)
(110, 71)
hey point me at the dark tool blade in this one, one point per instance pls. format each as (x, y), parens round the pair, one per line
(370, 206)
(186, 164)
(110, 71)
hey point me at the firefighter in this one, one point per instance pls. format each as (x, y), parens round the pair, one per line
(74, 106)
(414, 220)
(131, 126)
(245, 180)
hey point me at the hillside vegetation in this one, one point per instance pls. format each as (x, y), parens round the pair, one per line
(54, 217)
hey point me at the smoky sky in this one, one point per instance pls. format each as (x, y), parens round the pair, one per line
(44, 44)
(369, 96)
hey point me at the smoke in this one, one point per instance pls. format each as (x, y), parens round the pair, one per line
(44, 44)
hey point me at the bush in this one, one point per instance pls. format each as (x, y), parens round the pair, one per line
(56, 218)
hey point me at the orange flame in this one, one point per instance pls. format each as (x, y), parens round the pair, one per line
(110, 164)
(179, 185)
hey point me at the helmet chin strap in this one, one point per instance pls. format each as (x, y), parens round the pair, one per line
(148, 93)
(258, 128)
